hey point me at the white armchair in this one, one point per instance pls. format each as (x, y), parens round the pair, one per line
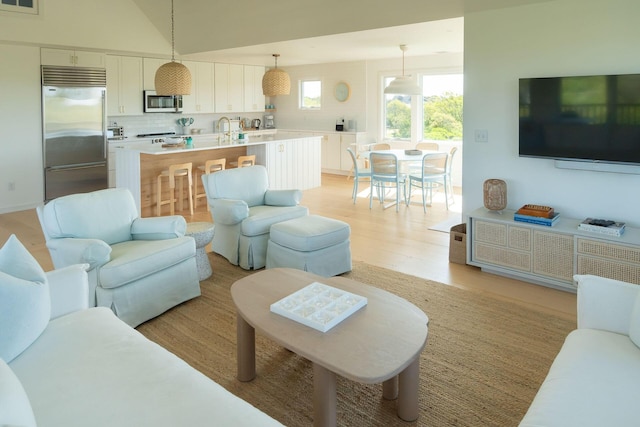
(138, 267)
(244, 209)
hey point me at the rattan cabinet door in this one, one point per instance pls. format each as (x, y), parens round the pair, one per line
(606, 259)
(553, 255)
(502, 245)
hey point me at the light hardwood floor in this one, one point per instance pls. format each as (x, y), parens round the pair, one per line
(399, 241)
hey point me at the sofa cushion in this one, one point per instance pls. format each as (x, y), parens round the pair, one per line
(25, 305)
(108, 374)
(261, 218)
(105, 214)
(592, 382)
(135, 259)
(15, 409)
(634, 327)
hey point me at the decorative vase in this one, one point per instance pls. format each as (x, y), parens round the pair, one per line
(495, 194)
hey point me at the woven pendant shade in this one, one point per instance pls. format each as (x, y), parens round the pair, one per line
(173, 78)
(276, 81)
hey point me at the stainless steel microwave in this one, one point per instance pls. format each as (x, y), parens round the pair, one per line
(154, 103)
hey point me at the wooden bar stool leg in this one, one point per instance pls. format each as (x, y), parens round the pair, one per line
(159, 196)
(190, 182)
(181, 194)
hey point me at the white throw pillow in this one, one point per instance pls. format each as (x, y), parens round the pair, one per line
(25, 304)
(15, 409)
(634, 327)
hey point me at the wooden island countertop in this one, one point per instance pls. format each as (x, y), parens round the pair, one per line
(292, 161)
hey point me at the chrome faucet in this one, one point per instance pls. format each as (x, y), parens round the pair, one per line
(228, 133)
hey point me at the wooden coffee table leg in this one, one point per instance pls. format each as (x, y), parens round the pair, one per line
(390, 388)
(324, 397)
(408, 391)
(246, 348)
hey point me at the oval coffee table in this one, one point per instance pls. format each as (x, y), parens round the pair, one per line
(380, 343)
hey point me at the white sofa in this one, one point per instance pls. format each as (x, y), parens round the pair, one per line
(595, 379)
(85, 367)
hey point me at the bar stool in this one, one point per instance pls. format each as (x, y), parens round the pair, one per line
(244, 161)
(175, 171)
(210, 166)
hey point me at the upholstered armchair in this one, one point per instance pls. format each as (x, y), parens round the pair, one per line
(244, 209)
(138, 267)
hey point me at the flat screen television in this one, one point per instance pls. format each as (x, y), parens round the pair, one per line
(581, 118)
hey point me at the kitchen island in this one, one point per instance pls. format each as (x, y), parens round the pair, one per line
(292, 161)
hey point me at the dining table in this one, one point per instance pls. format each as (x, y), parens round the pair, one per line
(406, 159)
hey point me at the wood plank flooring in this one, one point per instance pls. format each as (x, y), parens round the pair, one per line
(400, 241)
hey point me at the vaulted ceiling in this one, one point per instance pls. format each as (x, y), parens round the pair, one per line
(307, 31)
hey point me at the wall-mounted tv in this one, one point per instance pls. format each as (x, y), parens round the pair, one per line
(581, 118)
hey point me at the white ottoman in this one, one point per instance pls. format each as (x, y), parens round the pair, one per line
(202, 233)
(311, 243)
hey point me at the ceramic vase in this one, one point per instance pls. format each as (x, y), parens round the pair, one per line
(495, 194)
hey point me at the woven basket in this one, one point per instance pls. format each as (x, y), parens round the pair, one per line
(173, 78)
(276, 82)
(458, 244)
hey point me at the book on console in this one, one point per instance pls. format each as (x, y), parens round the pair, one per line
(608, 227)
(537, 219)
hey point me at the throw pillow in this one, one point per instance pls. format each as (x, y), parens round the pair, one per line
(634, 327)
(15, 409)
(25, 305)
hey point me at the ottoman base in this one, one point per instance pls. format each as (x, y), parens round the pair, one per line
(326, 262)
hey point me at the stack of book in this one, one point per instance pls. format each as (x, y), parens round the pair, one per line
(602, 226)
(536, 214)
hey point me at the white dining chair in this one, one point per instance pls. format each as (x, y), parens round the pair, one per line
(359, 175)
(384, 175)
(432, 173)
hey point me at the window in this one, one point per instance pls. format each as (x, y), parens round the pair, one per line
(20, 6)
(310, 94)
(437, 115)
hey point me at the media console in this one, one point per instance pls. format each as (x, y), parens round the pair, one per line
(549, 256)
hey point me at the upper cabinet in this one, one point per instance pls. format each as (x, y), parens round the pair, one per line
(201, 99)
(124, 86)
(72, 58)
(229, 81)
(150, 66)
(253, 97)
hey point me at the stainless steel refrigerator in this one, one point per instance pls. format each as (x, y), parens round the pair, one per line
(74, 130)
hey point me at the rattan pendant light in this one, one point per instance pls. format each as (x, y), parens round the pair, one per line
(276, 81)
(403, 85)
(173, 78)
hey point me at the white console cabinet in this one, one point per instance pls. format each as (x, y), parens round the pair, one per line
(549, 256)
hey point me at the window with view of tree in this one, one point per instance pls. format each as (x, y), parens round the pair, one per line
(437, 116)
(20, 6)
(310, 94)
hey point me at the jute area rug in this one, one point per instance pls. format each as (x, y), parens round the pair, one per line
(484, 361)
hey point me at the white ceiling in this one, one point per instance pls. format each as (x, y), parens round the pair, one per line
(445, 36)
(311, 32)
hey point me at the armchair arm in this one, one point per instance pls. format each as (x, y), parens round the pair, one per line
(68, 289)
(158, 228)
(605, 303)
(68, 251)
(282, 197)
(229, 211)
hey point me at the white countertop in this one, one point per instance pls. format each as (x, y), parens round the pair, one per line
(203, 142)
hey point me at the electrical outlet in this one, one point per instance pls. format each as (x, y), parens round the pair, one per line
(481, 135)
(12, 186)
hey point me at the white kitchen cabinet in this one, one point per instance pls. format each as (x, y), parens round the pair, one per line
(335, 158)
(72, 58)
(253, 97)
(201, 99)
(228, 88)
(150, 66)
(291, 164)
(124, 86)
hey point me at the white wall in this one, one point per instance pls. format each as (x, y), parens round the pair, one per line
(21, 170)
(563, 37)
